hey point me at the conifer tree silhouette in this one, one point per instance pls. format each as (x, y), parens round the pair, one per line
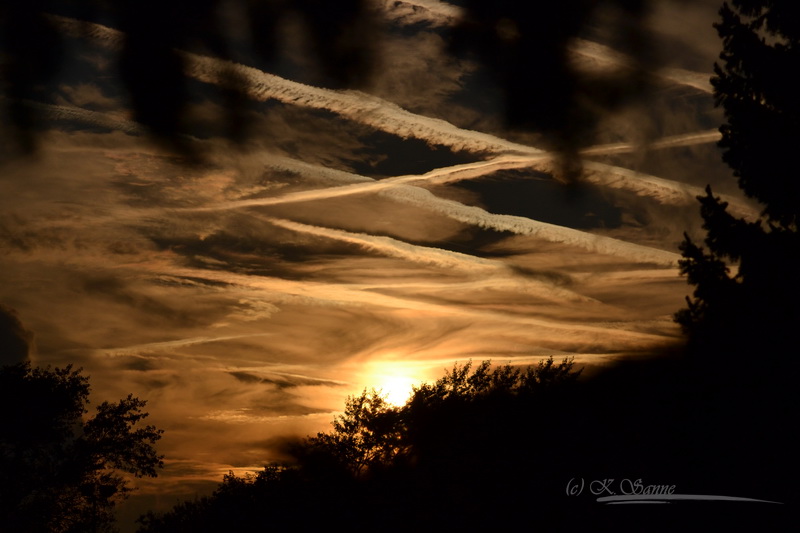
(753, 305)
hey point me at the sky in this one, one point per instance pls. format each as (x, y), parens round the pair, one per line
(359, 238)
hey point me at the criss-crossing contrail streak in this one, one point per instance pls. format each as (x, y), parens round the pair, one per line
(471, 215)
(398, 188)
(388, 117)
(467, 214)
(392, 119)
(666, 191)
(433, 256)
(354, 105)
(167, 345)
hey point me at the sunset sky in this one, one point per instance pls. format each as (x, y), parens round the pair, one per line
(365, 238)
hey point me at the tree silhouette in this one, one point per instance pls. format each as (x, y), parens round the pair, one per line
(755, 306)
(61, 472)
(468, 435)
(491, 448)
(367, 435)
(372, 435)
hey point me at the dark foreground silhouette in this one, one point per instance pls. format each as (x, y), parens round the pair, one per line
(59, 470)
(499, 449)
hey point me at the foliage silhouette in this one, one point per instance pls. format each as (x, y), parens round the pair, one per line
(366, 436)
(742, 319)
(452, 439)
(60, 471)
(754, 308)
(493, 448)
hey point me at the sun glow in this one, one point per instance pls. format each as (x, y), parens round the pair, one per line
(394, 380)
(397, 388)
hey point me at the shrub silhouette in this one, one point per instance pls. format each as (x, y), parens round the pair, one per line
(60, 471)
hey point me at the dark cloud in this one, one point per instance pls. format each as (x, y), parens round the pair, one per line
(16, 342)
(142, 364)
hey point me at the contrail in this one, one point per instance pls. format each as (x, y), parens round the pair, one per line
(606, 57)
(673, 141)
(354, 105)
(399, 190)
(399, 249)
(551, 232)
(432, 256)
(388, 117)
(422, 198)
(439, 176)
(159, 346)
(666, 191)
(370, 110)
(95, 118)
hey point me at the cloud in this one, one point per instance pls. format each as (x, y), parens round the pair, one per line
(665, 191)
(421, 11)
(170, 345)
(419, 75)
(380, 114)
(474, 215)
(247, 295)
(87, 95)
(354, 105)
(474, 266)
(605, 58)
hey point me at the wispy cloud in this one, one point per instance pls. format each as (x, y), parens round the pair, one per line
(246, 296)
(607, 57)
(416, 11)
(603, 57)
(169, 345)
(437, 257)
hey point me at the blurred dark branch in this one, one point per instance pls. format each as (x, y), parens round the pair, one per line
(524, 46)
(150, 66)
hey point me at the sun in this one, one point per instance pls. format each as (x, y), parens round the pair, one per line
(394, 380)
(396, 388)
